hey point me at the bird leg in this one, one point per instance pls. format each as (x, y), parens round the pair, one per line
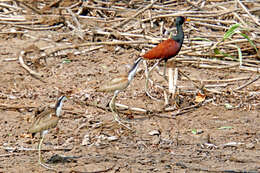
(147, 80)
(39, 150)
(112, 106)
(164, 71)
(40, 157)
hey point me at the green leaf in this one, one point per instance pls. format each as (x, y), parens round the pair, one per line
(231, 31)
(225, 127)
(227, 55)
(228, 106)
(66, 61)
(239, 55)
(218, 52)
(194, 131)
(250, 41)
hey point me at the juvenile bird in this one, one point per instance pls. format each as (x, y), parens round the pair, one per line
(46, 120)
(117, 85)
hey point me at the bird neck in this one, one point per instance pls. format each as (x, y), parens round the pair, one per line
(132, 72)
(58, 105)
(180, 35)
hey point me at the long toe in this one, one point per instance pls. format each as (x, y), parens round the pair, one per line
(47, 167)
(42, 163)
(149, 95)
(124, 125)
(165, 77)
(41, 160)
(116, 116)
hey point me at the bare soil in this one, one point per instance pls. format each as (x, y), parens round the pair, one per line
(175, 149)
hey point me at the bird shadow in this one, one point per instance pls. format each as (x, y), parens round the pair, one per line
(62, 159)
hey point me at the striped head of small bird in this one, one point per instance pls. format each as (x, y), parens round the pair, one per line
(48, 118)
(59, 104)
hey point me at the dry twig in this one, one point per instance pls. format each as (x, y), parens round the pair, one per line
(33, 73)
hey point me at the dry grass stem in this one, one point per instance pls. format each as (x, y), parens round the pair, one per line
(135, 15)
(246, 10)
(247, 83)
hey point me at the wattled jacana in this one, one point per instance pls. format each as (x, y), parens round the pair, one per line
(117, 85)
(166, 49)
(46, 120)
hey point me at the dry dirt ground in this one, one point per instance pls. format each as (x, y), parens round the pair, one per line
(226, 139)
(220, 135)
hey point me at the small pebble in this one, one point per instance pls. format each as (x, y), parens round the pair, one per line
(154, 132)
(86, 140)
(250, 146)
(112, 138)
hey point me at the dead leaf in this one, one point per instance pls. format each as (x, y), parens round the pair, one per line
(200, 97)
(26, 135)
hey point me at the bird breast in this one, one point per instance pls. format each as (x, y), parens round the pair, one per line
(166, 49)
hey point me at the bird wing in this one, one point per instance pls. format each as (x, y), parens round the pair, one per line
(44, 121)
(166, 49)
(118, 83)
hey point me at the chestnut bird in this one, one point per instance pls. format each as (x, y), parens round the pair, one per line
(117, 85)
(44, 121)
(166, 49)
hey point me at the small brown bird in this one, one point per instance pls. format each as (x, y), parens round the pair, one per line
(117, 85)
(46, 120)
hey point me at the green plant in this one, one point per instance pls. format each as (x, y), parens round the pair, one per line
(234, 29)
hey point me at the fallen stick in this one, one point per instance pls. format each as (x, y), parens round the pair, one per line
(248, 83)
(173, 81)
(191, 14)
(131, 108)
(11, 154)
(56, 49)
(33, 73)
(16, 107)
(28, 6)
(78, 27)
(135, 15)
(12, 149)
(40, 29)
(249, 14)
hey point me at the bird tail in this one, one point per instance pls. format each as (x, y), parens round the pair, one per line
(138, 60)
(136, 63)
